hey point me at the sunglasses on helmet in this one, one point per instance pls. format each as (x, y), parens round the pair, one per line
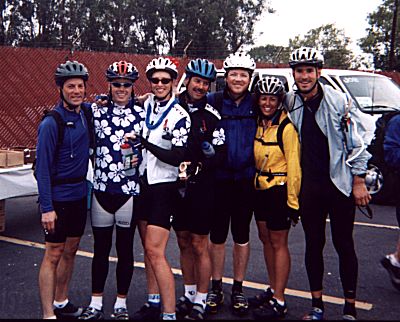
(118, 85)
(164, 81)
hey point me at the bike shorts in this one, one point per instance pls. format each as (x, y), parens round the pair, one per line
(233, 206)
(195, 209)
(271, 207)
(71, 220)
(157, 203)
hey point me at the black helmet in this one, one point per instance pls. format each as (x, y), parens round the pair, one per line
(70, 69)
(122, 69)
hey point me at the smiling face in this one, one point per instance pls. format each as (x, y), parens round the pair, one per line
(238, 81)
(268, 104)
(197, 88)
(158, 88)
(306, 77)
(73, 91)
(121, 90)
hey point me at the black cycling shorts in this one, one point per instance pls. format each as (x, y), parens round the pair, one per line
(271, 207)
(71, 220)
(233, 205)
(195, 209)
(157, 203)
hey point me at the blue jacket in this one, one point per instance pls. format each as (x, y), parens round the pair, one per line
(239, 123)
(71, 161)
(391, 143)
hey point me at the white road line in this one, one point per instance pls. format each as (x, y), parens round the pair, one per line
(329, 299)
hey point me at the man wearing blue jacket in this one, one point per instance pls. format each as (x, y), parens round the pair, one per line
(61, 168)
(391, 145)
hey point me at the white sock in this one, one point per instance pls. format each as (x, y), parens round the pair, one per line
(281, 303)
(60, 305)
(393, 260)
(120, 302)
(201, 299)
(96, 302)
(53, 317)
(154, 299)
(190, 291)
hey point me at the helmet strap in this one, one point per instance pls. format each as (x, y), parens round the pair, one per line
(69, 106)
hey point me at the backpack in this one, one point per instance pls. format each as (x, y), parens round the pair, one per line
(279, 135)
(60, 138)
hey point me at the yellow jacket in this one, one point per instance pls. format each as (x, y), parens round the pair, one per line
(274, 167)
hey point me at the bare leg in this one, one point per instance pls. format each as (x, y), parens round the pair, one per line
(240, 259)
(202, 262)
(217, 253)
(186, 257)
(263, 235)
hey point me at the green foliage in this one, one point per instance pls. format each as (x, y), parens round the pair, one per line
(377, 41)
(201, 28)
(270, 54)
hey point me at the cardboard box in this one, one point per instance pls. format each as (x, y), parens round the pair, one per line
(10, 158)
(29, 154)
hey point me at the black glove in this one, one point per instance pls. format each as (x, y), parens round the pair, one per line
(293, 216)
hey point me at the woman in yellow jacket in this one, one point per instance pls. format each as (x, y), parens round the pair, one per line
(277, 186)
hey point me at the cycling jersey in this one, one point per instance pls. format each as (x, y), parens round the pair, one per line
(166, 126)
(111, 123)
(276, 167)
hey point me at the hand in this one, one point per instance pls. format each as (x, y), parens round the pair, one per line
(134, 161)
(293, 216)
(183, 175)
(101, 100)
(360, 192)
(49, 221)
(130, 136)
(141, 99)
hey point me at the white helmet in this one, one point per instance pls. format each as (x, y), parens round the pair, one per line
(373, 179)
(269, 85)
(241, 61)
(306, 56)
(161, 64)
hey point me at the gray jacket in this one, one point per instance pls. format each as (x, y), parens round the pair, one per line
(350, 145)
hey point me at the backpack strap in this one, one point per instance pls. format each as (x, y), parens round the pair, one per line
(279, 133)
(60, 126)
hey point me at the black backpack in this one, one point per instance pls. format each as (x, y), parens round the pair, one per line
(61, 124)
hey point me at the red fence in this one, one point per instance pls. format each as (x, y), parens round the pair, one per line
(27, 85)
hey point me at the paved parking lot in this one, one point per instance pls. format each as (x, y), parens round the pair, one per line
(21, 251)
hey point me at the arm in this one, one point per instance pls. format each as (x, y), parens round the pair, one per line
(218, 142)
(173, 157)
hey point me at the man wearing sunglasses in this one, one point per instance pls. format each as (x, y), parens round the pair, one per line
(195, 208)
(115, 190)
(164, 140)
(234, 181)
(332, 176)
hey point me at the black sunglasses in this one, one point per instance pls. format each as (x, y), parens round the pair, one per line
(164, 81)
(118, 85)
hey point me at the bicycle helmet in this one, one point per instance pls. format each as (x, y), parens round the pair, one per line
(306, 56)
(161, 64)
(373, 179)
(122, 69)
(269, 85)
(201, 68)
(240, 61)
(70, 69)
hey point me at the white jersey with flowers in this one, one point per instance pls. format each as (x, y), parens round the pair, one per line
(167, 124)
(111, 122)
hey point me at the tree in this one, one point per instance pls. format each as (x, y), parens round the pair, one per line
(332, 43)
(270, 54)
(382, 37)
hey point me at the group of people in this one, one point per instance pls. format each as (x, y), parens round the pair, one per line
(201, 163)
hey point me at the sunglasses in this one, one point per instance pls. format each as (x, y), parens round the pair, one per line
(118, 85)
(164, 81)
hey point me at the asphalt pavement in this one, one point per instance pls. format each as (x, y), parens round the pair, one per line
(21, 251)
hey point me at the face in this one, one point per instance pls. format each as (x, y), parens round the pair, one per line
(121, 90)
(238, 81)
(197, 88)
(73, 91)
(268, 104)
(160, 90)
(306, 77)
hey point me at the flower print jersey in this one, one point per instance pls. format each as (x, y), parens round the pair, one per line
(167, 125)
(111, 122)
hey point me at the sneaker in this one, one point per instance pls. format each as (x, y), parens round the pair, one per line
(261, 298)
(120, 313)
(91, 313)
(315, 314)
(394, 272)
(197, 313)
(183, 306)
(69, 311)
(147, 312)
(270, 311)
(349, 317)
(215, 299)
(239, 303)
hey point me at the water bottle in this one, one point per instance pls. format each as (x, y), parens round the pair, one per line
(127, 155)
(208, 149)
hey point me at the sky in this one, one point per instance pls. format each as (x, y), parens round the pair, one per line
(297, 17)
